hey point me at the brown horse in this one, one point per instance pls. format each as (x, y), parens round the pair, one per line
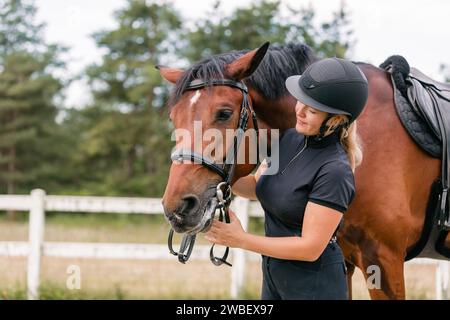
(386, 218)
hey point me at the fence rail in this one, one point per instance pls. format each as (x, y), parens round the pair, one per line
(38, 203)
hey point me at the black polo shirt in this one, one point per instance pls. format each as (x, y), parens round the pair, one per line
(320, 173)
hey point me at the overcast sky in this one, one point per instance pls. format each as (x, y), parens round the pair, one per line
(417, 29)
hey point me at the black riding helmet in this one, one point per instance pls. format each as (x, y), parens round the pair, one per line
(333, 85)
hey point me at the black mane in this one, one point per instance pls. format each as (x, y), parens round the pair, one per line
(268, 80)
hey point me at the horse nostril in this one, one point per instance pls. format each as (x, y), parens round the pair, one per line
(190, 204)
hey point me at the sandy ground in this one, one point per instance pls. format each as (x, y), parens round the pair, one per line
(137, 279)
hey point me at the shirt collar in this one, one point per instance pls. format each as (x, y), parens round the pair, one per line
(325, 141)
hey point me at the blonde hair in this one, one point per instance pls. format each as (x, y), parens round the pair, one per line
(349, 139)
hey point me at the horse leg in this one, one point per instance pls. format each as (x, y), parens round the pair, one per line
(350, 270)
(384, 275)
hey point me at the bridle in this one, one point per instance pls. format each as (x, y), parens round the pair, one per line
(225, 171)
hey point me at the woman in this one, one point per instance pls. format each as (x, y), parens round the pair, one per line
(305, 201)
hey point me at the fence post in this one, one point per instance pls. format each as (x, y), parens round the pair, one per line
(36, 238)
(442, 280)
(241, 207)
(446, 279)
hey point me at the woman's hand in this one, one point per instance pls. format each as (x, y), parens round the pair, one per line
(227, 234)
(261, 169)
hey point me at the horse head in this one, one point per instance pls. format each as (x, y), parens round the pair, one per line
(210, 101)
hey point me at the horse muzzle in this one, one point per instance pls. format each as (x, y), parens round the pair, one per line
(190, 218)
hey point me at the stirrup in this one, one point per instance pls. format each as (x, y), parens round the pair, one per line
(444, 214)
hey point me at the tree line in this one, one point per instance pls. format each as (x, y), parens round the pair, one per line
(119, 143)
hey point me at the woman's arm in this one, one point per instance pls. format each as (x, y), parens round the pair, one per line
(246, 186)
(319, 224)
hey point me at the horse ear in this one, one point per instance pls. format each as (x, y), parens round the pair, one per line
(244, 66)
(170, 74)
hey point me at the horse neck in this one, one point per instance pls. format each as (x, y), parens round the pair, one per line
(274, 114)
(278, 114)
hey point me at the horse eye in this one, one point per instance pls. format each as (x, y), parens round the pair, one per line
(224, 115)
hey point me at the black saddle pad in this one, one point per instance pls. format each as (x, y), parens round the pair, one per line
(416, 126)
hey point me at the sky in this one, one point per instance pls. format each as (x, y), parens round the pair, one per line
(417, 29)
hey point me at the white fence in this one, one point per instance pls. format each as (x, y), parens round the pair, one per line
(38, 203)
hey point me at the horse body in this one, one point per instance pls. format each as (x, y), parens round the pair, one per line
(393, 183)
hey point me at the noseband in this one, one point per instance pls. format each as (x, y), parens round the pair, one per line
(225, 171)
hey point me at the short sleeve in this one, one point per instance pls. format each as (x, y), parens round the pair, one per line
(334, 186)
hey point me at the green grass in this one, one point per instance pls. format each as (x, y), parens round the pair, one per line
(100, 227)
(13, 292)
(249, 294)
(90, 219)
(112, 220)
(52, 291)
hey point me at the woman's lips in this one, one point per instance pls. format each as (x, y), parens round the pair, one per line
(301, 123)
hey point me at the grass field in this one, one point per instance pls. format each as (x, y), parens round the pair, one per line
(137, 279)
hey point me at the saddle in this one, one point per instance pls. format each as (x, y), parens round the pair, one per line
(430, 99)
(425, 113)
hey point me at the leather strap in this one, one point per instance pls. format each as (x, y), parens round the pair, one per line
(180, 155)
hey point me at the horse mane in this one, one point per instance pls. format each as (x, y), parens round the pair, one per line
(280, 62)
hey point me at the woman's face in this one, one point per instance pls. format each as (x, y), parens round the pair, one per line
(309, 119)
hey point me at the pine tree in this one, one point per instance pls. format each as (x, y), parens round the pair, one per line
(250, 27)
(19, 30)
(27, 94)
(126, 151)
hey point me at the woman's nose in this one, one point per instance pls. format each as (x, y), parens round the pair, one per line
(300, 112)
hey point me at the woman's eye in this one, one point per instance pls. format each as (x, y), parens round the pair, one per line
(224, 115)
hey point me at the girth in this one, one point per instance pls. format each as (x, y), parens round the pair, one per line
(225, 171)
